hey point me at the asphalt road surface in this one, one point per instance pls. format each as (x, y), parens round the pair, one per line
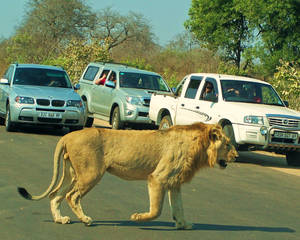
(254, 198)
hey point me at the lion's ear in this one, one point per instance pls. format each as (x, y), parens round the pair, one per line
(215, 133)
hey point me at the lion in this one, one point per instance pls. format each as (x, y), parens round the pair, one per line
(165, 158)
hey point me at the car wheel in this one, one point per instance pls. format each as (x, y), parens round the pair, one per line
(228, 130)
(116, 122)
(75, 128)
(89, 121)
(293, 159)
(8, 124)
(2, 121)
(166, 122)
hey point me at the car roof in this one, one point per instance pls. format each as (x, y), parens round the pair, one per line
(27, 65)
(228, 77)
(121, 67)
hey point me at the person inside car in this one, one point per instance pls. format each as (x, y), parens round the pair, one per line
(209, 93)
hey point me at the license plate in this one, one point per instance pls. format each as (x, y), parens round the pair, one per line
(50, 115)
(287, 135)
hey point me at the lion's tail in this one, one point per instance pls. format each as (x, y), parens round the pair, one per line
(56, 163)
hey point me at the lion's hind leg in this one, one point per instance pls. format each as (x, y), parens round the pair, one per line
(58, 194)
(156, 196)
(74, 198)
(175, 202)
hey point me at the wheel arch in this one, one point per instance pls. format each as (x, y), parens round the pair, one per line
(162, 112)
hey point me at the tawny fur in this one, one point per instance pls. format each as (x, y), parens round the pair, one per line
(165, 158)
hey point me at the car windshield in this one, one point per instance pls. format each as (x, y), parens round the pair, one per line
(41, 77)
(142, 81)
(249, 92)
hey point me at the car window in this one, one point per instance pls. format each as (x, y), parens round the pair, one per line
(142, 81)
(210, 90)
(91, 73)
(8, 74)
(193, 86)
(42, 77)
(250, 92)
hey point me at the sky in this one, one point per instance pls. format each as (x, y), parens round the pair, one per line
(166, 17)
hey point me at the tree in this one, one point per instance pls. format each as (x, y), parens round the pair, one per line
(118, 29)
(277, 24)
(221, 26)
(51, 24)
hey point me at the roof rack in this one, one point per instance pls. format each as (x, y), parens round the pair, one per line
(114, 63)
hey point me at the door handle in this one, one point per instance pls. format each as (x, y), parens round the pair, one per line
(182, 104)
(197, 107)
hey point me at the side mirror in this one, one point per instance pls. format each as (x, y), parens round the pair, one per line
(110, 84)
(77, 86)
(286, 103)
(173, 89)
(4, 81)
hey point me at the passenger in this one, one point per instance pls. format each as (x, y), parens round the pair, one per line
(102, 79)
(231, 91)
(209, 92)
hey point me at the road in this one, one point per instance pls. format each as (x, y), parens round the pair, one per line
(254, 198)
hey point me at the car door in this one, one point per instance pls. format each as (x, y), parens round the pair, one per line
(107, 93)
(187, 107)
(208, 106)
(4, 88)
(98, 93)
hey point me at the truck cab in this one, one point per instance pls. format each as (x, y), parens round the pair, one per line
(250, 111)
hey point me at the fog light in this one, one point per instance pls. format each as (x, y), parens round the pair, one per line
(264, 130)
(129, 112)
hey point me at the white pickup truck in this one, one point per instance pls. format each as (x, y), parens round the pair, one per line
(250, 111)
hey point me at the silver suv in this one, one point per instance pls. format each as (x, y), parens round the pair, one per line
(39, 94)
(123, 95)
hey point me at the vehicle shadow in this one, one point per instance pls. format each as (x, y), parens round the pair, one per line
(44, 130)
(170, 226)
(265, 159)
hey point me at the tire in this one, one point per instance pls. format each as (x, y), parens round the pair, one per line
(75, 128)
(89, 121)
(2, 121)
(293, 159)
(116, 122)
(165, 123)
(8, 124)
(228, 130)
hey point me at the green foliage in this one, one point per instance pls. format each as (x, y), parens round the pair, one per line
(138, 63)
(221, 26)
(78, 54)
(287, 82)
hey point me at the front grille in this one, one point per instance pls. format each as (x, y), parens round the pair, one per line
(58, 103)
(284, 122)
(49, 120)
(143, 114)
(43, 102)
(146, 102)
(54, 103)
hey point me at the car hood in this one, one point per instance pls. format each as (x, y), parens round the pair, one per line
(46, 92)
(261, 110)
(140, 92)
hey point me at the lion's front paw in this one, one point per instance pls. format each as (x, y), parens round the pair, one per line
(87, 220)
(184, 225)
(136, 217)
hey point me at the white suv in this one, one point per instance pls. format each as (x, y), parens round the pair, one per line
(249, 110)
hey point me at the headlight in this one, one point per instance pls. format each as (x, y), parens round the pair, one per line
(74, 103)
(254, 120)
(134, 100)
(24, 100)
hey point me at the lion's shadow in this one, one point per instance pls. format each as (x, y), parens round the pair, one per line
(170, 226)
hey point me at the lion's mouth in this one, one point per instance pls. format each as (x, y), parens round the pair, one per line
(222, 163)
